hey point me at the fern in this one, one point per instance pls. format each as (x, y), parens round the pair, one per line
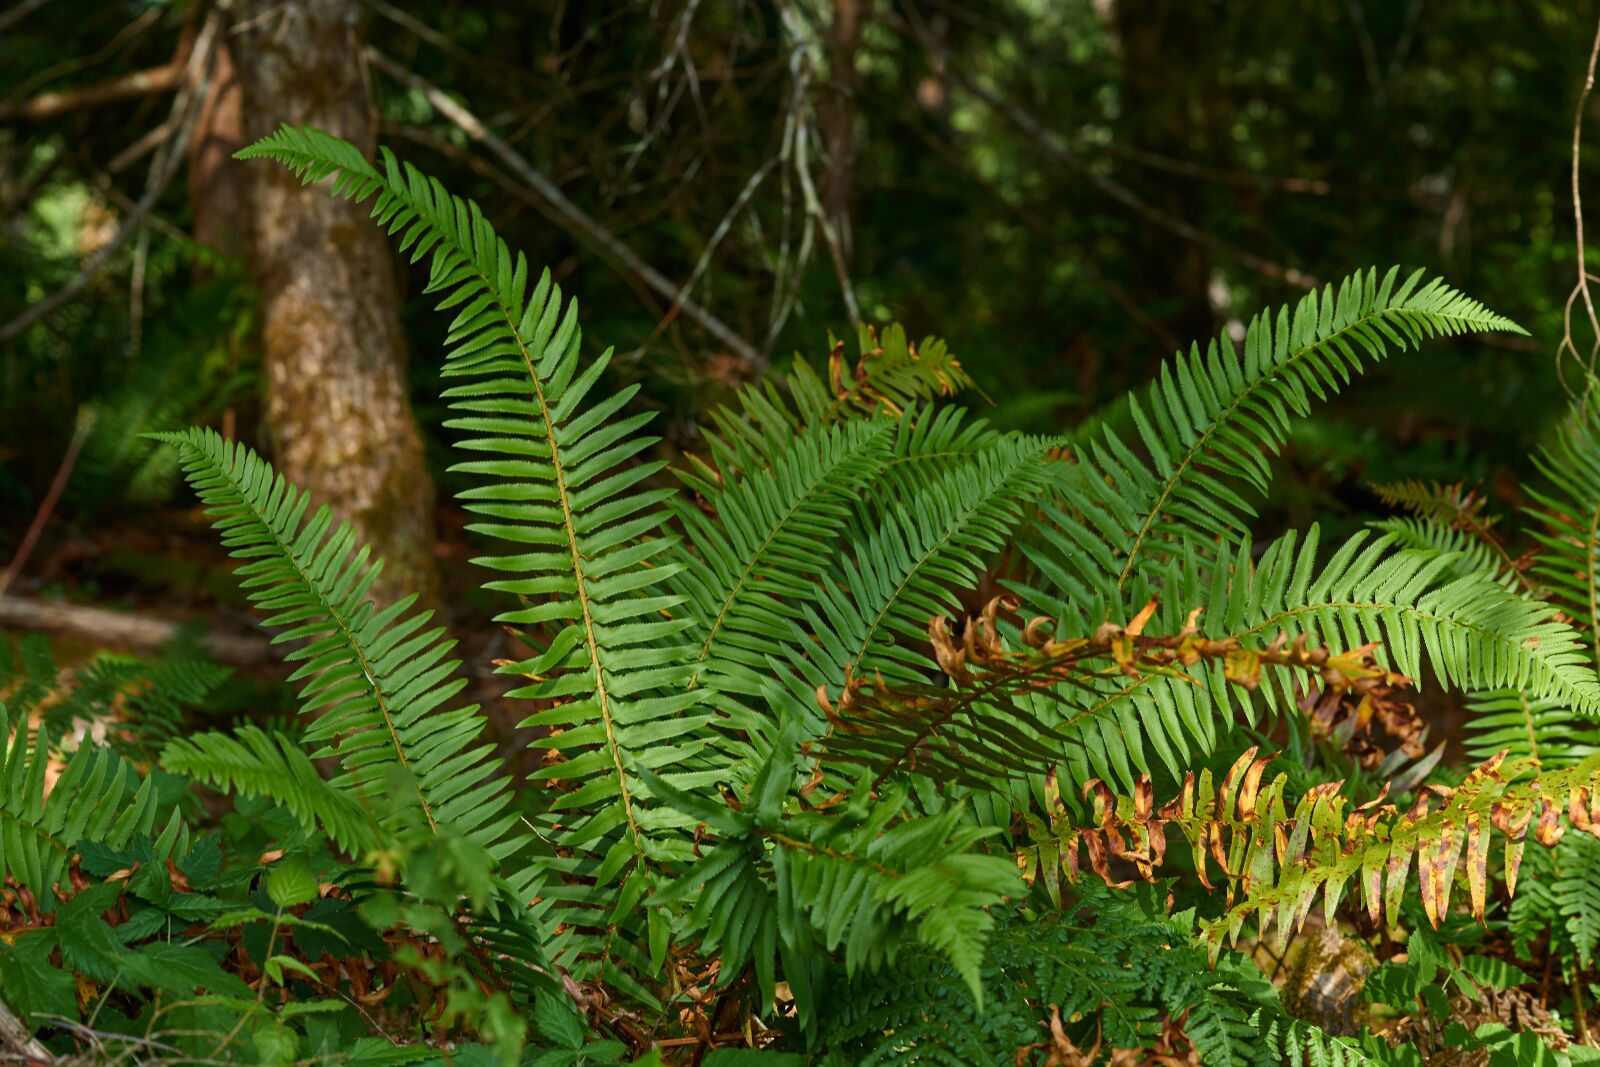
(564, 488)
(253, 762)
(1570, 505)
(1576, 894)
(759, 797)
(1210, 420)
(1277, 855)
(1109, 972)
(95, 797)
(764, 539)
(866, 877)
(377, 680)
(1468, 630)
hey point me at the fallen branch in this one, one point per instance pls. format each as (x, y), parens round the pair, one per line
(17, 1040)
(123, 87)
(142, 633)
(565, 212)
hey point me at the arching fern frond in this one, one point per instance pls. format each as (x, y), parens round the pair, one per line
(563, 484)
(378, 681)
(975, 731)
(1569, 503)
(909, 569)
(1473, 555)
(765, 540)
(1209, 423)
(96, 797)
(1476, 635)
(1420, 615)
(253, 762)
(1545, 729)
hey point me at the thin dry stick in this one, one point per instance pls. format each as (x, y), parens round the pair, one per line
(1582, 288)
(47, 506)
(13, 15)
(788, 273)
(802, 166)
(718, 235)
(565, 211)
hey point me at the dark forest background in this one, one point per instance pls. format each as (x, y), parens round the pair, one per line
(1066, 190)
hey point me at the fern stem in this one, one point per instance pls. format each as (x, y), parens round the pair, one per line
(591, 640)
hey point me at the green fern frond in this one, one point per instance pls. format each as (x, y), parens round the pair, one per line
(377, 680)
(1454, 505)
(96, 797)
(1546, 729)
(1576, 894)
(1570, 505)
(1425, 613)
(1476, 635)
(909, 568)
(866, 876)
(1473, 555)
(563, 483)
(253, 762)
(766, 538)
(1210, 422)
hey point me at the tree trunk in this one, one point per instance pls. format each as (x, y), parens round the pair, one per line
(338, 413)
(1159, 100)
(839, 116)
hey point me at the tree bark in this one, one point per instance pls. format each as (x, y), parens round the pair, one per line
(337, 407)
(839, 117)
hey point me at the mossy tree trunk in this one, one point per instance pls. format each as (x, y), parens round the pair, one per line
(338, 412)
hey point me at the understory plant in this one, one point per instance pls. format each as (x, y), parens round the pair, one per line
(864, 732)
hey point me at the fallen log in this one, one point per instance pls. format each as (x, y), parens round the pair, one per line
(135, 632)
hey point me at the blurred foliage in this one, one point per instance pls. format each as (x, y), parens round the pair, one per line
(1312, 136)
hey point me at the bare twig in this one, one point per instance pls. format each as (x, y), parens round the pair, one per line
(1239, 179)
(831, 238)
(147, 142)
(1568, 346)
(152, 15)
(47, 506)
(787, 273)
(186, 105)
(15, 14)
(572, 217)
(717, 236)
